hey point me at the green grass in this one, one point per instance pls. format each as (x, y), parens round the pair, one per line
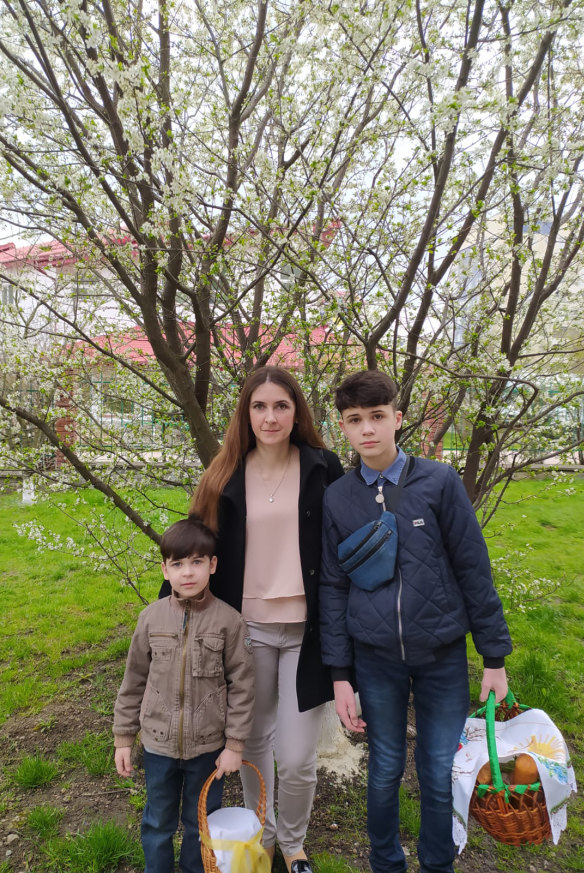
(136, 793)
(92, 751)
(327, 863)
(5, 798)
(100, 850)
(33, 771)
(540, 529)
(95, 613)
(44, 821)
(349, 813)
(538, 514)
(409, 812)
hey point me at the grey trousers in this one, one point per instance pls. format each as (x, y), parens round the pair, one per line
(281, 734)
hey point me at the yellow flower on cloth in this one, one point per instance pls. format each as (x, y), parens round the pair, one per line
(235, 836)
(532, 733)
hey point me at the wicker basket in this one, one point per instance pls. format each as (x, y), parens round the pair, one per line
(512, 814)
(209, 860)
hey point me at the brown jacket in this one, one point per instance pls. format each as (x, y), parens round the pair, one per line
(188, 684)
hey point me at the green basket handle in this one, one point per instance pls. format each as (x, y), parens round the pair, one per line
(508, 701)
(498, 783)
(489, 712)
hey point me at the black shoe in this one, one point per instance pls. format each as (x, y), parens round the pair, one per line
(301, 865)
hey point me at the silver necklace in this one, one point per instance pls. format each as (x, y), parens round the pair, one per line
(272, 495)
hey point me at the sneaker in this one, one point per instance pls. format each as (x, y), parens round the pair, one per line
(301, 865)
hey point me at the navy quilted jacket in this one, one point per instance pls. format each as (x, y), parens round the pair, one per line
(442, 586)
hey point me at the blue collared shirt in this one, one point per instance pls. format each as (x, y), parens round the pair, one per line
(390, 474)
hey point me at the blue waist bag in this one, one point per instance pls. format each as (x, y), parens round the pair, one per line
(368, 555)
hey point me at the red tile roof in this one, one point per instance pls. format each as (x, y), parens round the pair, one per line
(52, 253)
(134, 346)
(40, 256)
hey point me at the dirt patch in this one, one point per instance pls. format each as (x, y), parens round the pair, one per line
(337, 824)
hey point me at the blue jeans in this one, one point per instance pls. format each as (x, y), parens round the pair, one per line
(441, 702)
(167, 780)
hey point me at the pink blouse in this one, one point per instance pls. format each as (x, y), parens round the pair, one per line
(273, 590)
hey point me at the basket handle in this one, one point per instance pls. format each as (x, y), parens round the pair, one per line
(202, 805)
(508, 701)
(498, 783)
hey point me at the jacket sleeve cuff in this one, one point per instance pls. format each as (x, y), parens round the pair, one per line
(234, 745)
(124, 741)
(341, 674)
(493, 663)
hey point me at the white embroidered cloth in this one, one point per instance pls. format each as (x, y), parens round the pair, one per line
(531, 732)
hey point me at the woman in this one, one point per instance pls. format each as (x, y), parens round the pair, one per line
(263, 495)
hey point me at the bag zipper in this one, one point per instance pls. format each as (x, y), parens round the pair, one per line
(376, 548)
(365, 540)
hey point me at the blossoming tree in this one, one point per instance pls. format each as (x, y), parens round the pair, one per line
(386, 184)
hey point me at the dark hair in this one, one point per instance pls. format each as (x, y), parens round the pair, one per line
(187, 537)
(239, 439)
(366, 388)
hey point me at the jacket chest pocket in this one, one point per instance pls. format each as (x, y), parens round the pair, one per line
(162, 646)
(208, 655)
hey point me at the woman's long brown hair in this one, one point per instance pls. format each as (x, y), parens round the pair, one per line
(239, 439)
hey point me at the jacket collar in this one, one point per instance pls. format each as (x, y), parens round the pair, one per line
(358, 471)
(390, 474)
(201, 602)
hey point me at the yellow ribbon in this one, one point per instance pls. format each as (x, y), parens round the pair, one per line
(247, 857)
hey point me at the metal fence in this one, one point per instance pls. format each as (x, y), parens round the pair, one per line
(100, 418)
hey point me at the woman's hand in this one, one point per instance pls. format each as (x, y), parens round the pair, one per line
(227, 762)
(346, 706)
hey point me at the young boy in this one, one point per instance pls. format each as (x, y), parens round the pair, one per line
(408, 633)
(188, 687)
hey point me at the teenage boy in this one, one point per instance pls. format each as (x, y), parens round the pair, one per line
(188, 687)
(409, 633)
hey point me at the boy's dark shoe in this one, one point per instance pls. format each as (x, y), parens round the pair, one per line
(301, 865)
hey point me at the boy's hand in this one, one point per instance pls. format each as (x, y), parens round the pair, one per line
(227, 762)
(346, 706)
(494, 679)
(122, 758)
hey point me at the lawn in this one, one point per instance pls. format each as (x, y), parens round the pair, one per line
(53, 586)
(67, 625)
(537, 534)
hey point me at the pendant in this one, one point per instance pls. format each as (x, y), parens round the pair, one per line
(379, 498)
(270, 499)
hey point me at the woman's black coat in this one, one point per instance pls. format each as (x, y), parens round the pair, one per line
(318, 468)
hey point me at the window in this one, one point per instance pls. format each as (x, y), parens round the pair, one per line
(90, 286)
(8, 295)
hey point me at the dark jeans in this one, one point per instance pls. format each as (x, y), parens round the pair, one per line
(441, 701)
(167, 780)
